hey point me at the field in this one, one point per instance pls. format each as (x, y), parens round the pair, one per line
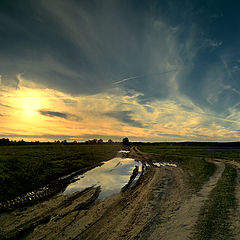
(197, 199)
(229, 153)
(25, 168)
(193, 158)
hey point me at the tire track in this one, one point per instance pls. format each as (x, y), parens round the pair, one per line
(180, 225)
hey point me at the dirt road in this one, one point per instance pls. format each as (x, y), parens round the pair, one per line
(160, 206)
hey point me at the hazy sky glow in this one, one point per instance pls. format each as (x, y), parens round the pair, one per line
(150, 70)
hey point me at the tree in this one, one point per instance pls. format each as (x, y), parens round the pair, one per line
(4, 141)
(125, 141)
(110, 141)
(100, 141)
(94, 141)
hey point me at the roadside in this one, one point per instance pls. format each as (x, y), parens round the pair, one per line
(235, 214)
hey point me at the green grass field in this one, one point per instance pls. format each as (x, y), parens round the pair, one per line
(25, 168)
(230, 153)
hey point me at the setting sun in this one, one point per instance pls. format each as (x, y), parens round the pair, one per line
(30, 105)
(29, 101)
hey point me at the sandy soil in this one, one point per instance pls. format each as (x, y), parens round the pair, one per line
(160, 206)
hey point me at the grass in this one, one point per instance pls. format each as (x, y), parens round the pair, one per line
(200, 170)
(195, 164)
(213, 220)
(25, 168)
(230, 153)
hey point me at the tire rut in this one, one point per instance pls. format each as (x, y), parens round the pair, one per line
(181, 222)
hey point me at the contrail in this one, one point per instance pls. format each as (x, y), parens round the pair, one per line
(140, 76)
(126, 79)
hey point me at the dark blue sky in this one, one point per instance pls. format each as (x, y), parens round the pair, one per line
(181, 52)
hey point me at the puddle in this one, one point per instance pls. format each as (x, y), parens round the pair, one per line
(124, 151)
(111, 176)
(164, 164)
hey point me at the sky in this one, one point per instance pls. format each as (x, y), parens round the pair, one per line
(151, 70)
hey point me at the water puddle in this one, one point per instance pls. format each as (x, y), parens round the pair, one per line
(164, 164)
(111, 176)
(124, 151)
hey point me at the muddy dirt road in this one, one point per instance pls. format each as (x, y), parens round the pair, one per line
(160, 206)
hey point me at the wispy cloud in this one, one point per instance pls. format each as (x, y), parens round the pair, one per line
(114, 114)
(6, 106)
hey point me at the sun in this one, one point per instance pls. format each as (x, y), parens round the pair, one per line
(30, 105)
(31, 102)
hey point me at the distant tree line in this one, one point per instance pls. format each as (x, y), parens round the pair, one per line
(125, 141)
(98, 141)
(7, 142)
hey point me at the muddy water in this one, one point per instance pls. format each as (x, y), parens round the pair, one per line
(111, 176)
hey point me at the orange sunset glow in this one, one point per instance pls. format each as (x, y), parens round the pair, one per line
(48, 114)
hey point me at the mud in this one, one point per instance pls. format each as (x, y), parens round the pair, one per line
(83, 216)
(19, 223)
(42, 193)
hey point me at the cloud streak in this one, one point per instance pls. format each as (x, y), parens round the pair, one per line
(53, 114)
(124, 117)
